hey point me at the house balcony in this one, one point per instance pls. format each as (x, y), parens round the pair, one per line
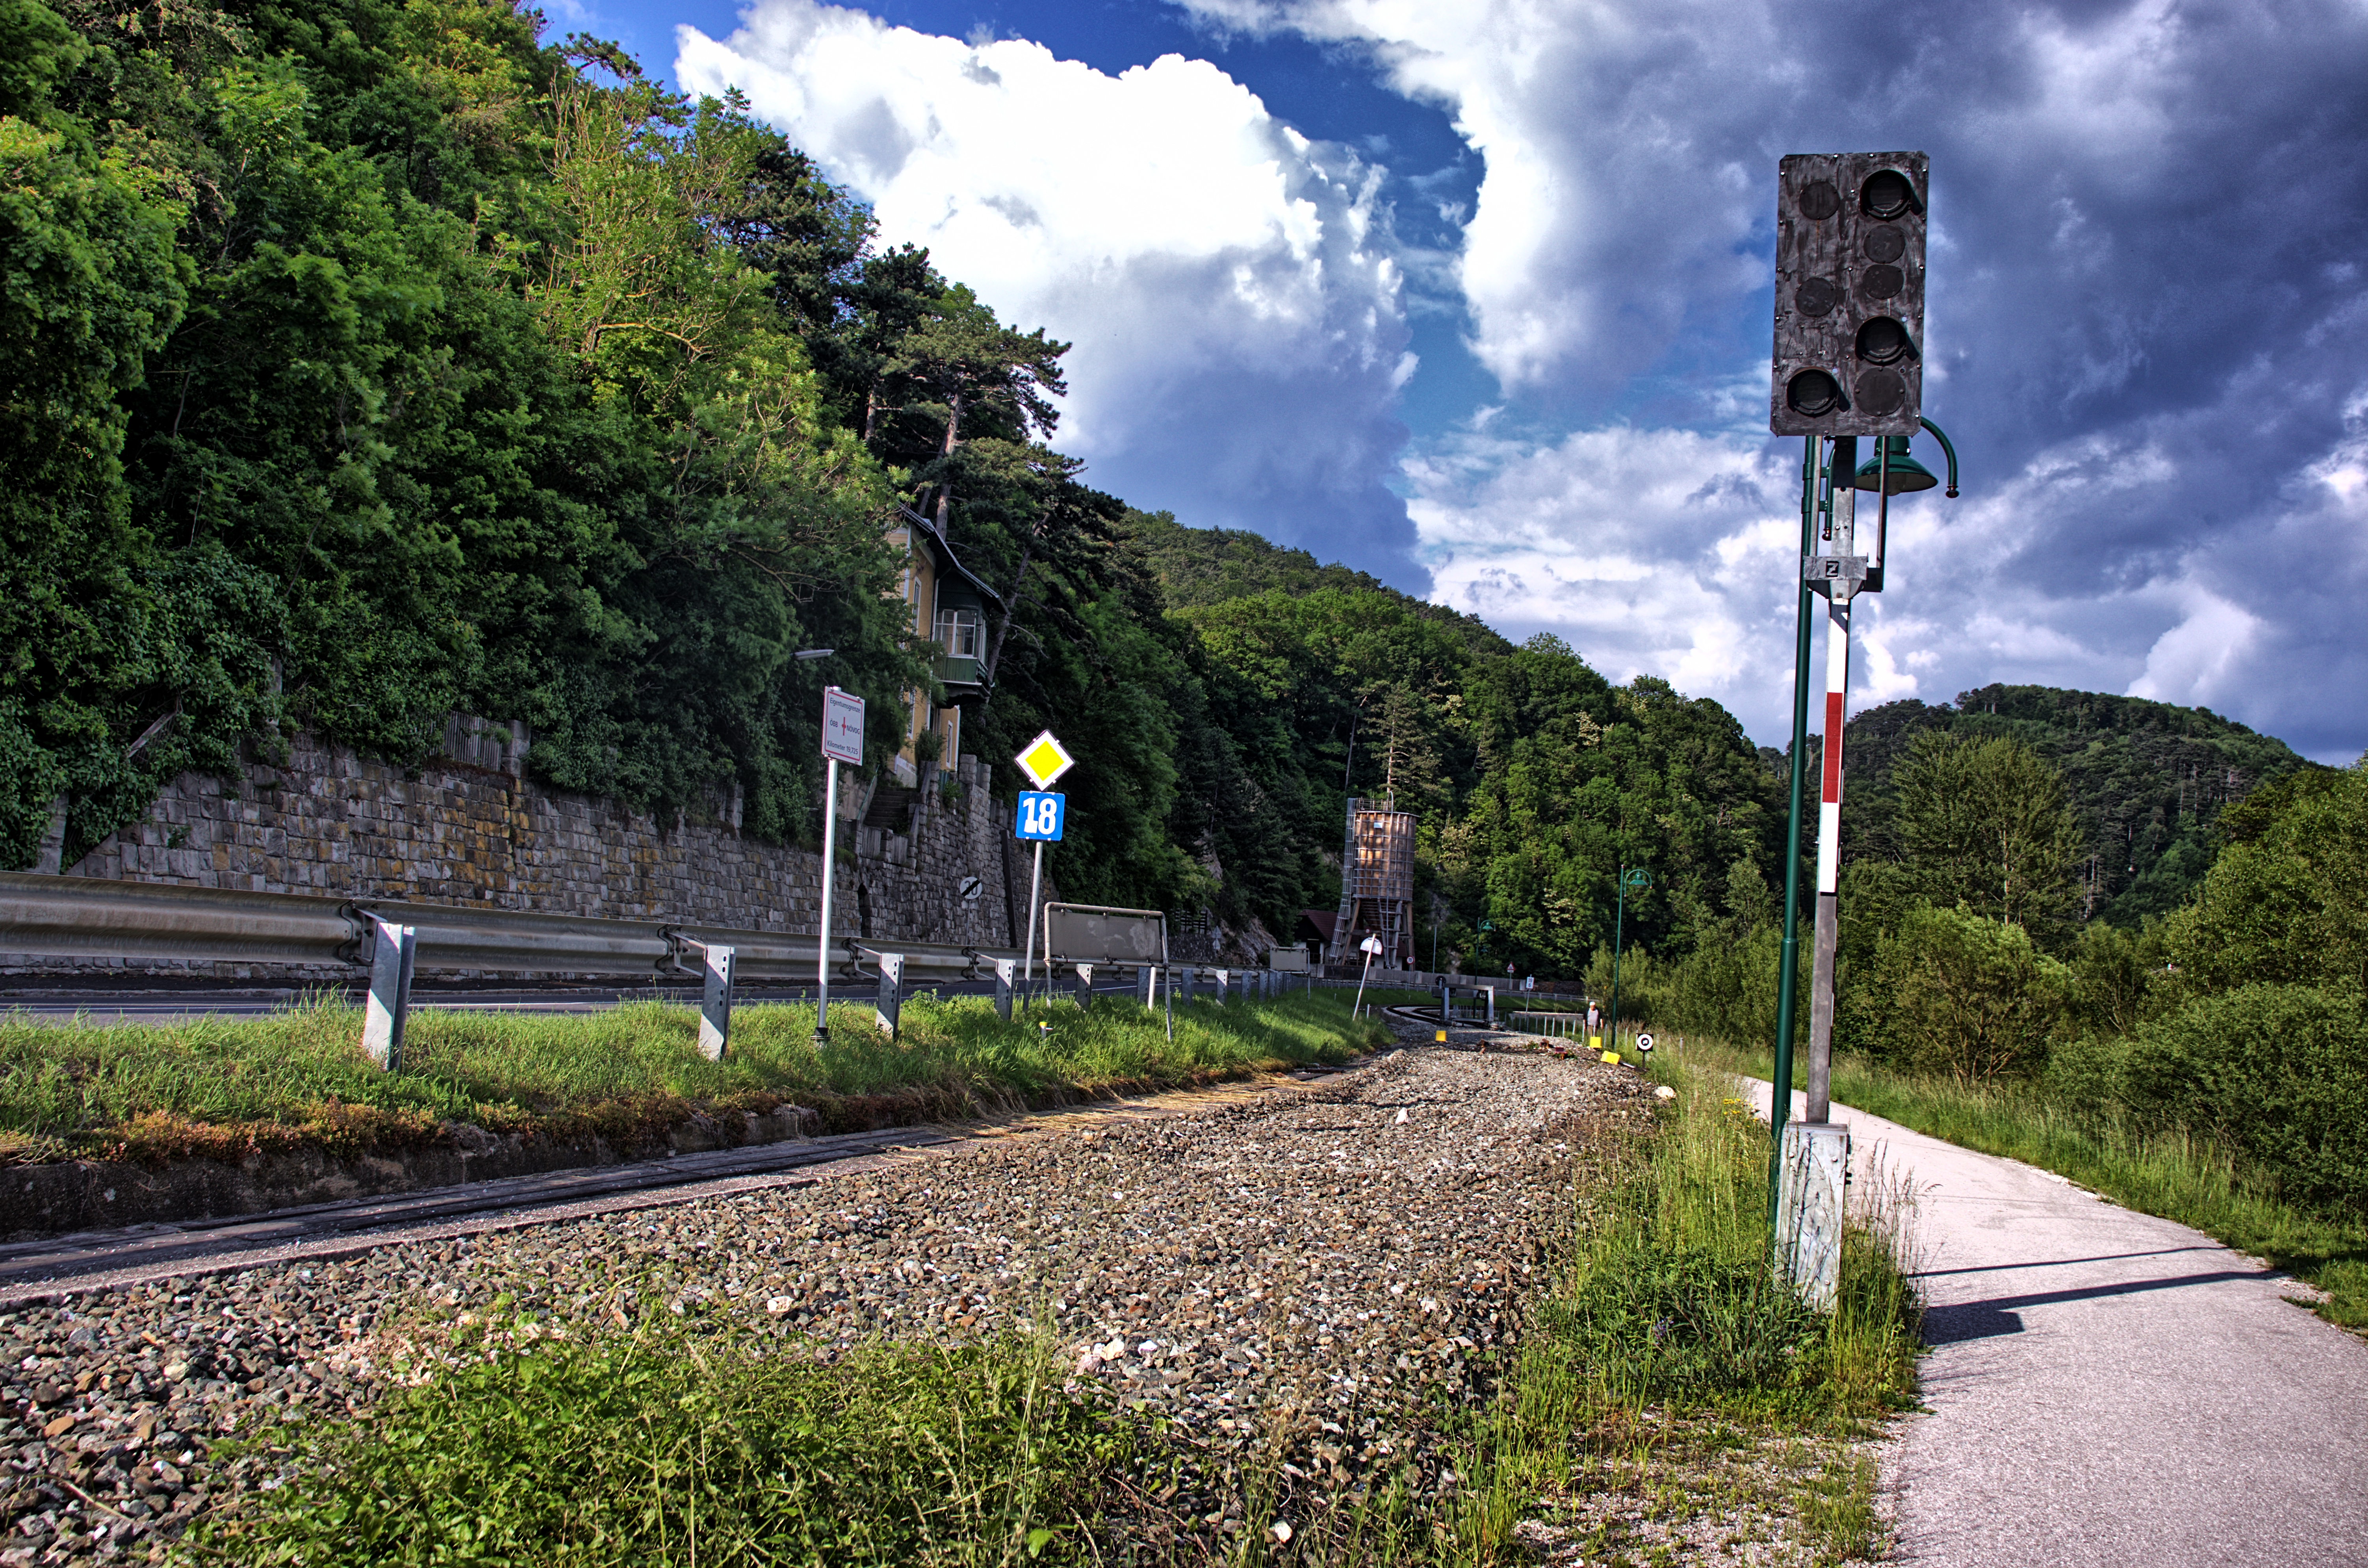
(963, 678)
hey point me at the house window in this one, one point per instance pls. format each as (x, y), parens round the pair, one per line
(961, 633)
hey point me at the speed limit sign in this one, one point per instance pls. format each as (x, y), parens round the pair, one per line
(1643, 1042)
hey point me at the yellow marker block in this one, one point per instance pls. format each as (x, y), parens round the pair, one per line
(1595, 1042)
(1441, 1037)
(1612, 1057)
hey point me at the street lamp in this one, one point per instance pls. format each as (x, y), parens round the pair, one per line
(1639, 880)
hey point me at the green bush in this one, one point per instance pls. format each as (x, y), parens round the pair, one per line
(2278, 1072)
(2287, 899)
(1966, 996)
(1729, 988)
(2119, 976)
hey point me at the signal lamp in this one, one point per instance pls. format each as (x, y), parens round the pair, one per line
(1887, 194)
(1813, 394)
(1883, 341)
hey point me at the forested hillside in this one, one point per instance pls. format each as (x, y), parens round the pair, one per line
(367, 361)
(373, 360)
(2147, 781)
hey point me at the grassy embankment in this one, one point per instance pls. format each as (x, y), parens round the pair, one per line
(227, 1087)
(1668, 1389)
(2177, 1175)
(1661, 1372)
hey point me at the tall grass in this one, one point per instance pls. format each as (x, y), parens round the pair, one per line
(666, 1446)
(1667, 1328)
(632, 1067)
(2175, 1174)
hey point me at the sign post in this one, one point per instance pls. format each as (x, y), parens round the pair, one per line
(1041, 817)
(842, 741)
(1370, 947)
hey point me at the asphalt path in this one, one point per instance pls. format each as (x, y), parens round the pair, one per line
(2107, 1388)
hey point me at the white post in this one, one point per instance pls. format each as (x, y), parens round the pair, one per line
(1829, 817)
(1028, 953)
(830, 876)
(393, 951)
(715, 1002)
(1354, 1008)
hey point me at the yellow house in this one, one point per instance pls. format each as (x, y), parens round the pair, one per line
(949, 604)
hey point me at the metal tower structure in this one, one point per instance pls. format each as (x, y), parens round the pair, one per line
(1376, 885)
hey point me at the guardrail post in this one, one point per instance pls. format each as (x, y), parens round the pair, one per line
(892, 992)
(1492, 1006)
(1221, 979)
(715, 1006)
(393, 950)
(1084, 985)
(1186, 973)
(1146, 986)
(1007, 975)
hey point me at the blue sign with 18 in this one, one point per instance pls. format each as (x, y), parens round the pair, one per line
(1040, 814)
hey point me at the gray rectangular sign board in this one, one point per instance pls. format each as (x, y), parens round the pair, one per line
(1079, 933)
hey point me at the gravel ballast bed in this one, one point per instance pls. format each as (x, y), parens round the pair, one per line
(1302, 1274)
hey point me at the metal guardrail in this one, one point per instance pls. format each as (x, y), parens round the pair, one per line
(87, 917)
(389, 940)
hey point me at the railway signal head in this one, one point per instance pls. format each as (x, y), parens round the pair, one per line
(1849, 294)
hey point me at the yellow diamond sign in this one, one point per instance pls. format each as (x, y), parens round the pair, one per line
(1045, 759)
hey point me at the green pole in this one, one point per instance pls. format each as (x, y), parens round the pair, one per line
(1619, 926)
(1780, 1100)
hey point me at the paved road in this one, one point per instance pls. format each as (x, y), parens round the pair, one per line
(2107, 1388)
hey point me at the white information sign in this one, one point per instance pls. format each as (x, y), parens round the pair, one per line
(1045, 759)
(842, 725)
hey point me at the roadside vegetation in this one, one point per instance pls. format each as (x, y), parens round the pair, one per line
(1671, 1394)
(1665, 1391)
(2210, 1066)
(227, 1087)
(670, 1446)
(2191, 1176)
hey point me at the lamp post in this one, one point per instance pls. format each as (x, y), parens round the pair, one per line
(1891, 472)
(1639, 880)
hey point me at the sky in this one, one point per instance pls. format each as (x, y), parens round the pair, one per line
(1477, 297)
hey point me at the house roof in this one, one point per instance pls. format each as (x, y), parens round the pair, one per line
(923, 529)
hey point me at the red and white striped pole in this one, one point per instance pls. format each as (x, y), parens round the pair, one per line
(1839, 590)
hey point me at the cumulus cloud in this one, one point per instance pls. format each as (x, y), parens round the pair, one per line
(1228, 285)
(2146, 318)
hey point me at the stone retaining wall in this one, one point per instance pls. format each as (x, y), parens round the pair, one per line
(469, 827)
